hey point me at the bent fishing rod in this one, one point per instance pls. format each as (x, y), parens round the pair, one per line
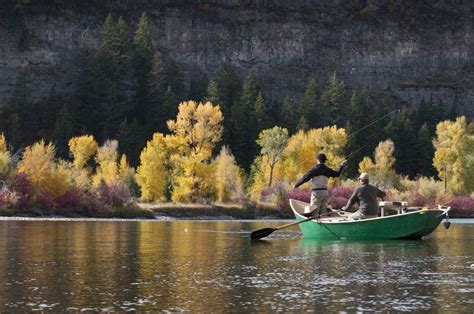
(351, 155)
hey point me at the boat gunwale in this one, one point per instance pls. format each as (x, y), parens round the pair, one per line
(347, 221)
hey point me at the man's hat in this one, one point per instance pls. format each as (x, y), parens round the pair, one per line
(364, 176)
(321, 157)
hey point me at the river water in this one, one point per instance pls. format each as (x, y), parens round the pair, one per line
(212, 266)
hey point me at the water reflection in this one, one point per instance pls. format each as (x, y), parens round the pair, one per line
(207, 266)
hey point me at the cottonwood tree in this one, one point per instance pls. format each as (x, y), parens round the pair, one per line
(452, 146)
(382, 170)
(272, 142)
(195, 132)
(228, 176)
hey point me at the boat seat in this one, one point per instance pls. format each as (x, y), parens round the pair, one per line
(386, 207)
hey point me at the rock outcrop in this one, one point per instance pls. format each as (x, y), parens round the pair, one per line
(402, 51)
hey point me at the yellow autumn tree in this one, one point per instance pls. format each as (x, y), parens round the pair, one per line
(125, 172)
(5, 157)
(82, 149)
(300, 154)
(195, 132)
(470, 162)
(152, 173)
(382, 171)
(452, 146)
(107, 168)
(227, 176)
(38, 162)
(266, 168)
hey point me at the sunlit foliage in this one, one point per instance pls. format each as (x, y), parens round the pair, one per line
(452, 146)
(272, 142)
(196, 130)
(152, 174)
(382, 171)
(300, 153)
(228, 176)
(82, 148)
(38, 162)
(107, 168)
(5, 157)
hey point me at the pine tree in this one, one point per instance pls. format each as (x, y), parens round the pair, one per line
(155, 116)
(131, 138)
(174, 78)
(229, 87)
(401, 131)
(262, 118)
(244, 125)
(169, 107)
(213, 94)
(144, 63)
(113, 62)
(310, 106)
(287, 115)
(333, 100)
(425, 152)
(63, 131)
(198, 87)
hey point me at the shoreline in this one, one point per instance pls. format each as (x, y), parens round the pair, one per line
(171, 211)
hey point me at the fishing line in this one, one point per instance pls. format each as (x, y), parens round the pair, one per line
(365, 127)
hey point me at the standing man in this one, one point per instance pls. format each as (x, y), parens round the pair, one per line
(319, 176)
(366, 195)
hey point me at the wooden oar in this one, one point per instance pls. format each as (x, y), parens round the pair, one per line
(258, 234)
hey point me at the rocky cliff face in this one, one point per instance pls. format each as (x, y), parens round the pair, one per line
(401, 50)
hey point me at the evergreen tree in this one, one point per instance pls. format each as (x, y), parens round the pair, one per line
(86, 105)
(229, 88)
(333, 100)
(63, 131)
(242, 141)
(213, 94)
(362, 137)
(131, 139)
(169, 108)
(262, 118)
(310, 107)
(113, 62)
(198, 87)
(302, 124)
(154, 101)
(287, 115)
(401, 131)
(174, 78)
(143, 63)
(425, 152)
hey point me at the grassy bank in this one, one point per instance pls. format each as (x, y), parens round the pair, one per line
(126, 212)
(237, 211)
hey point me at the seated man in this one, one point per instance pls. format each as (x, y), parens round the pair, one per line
(366, 195)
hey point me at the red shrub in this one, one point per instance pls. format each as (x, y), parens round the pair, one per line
(8, 199)
(303, 195)
(70, 201)
(113, 195)
(338, 196)
(463, 205)
(23, 187)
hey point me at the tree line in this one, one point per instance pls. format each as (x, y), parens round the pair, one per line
(126, 89)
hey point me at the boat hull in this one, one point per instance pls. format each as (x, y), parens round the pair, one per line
(413, 225)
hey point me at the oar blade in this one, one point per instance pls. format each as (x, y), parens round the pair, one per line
(258, 234)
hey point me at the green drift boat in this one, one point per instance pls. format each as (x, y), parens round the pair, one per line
(406, 223)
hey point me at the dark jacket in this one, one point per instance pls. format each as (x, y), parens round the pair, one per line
(319, 170)
(366, 195)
